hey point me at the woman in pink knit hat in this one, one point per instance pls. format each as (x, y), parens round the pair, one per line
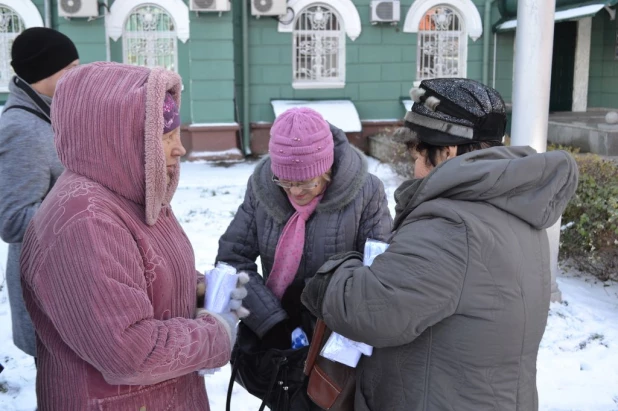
(108, 274)
(310, 199)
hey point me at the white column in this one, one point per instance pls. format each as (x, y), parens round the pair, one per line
(582, 64)
(533, 57)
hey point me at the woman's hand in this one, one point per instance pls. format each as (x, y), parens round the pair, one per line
(200, 293)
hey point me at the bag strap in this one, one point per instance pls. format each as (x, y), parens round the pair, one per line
(271, 385)
(29, 110)
(314, 348)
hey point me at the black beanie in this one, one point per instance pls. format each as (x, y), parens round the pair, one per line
(454, 111)
(40, 52)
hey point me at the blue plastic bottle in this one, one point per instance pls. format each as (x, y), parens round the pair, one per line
(299, 338)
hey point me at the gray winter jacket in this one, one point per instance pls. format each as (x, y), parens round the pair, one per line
(353, 209)
(457, 305)
(29, 167)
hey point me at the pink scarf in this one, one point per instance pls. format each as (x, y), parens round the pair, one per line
(290, 248)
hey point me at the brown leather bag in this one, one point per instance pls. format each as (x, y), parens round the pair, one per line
(331, 384)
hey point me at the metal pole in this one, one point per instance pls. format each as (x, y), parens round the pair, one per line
(533, 54)
(533, 58)
(486, 37)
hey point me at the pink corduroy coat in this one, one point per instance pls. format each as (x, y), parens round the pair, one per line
(108, 273)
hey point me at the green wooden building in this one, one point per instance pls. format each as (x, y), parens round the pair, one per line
(243, 62)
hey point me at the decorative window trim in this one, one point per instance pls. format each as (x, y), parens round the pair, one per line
(462, 42)
(468, 11)
(346, 9)
(321, 83)
(29, 15)
(129, 37)
(26, 10)
(121, 10)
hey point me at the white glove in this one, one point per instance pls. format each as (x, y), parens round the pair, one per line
(237, 296)
(235, 309)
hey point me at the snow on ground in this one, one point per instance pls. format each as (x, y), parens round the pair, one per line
(578, 360)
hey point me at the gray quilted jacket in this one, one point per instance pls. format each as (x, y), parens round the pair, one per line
(457, 305)
(29, 167)
(353, 209)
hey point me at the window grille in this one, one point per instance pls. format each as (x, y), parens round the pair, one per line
(442, 45)
(149, 38)
(11, 24)
(319, 47)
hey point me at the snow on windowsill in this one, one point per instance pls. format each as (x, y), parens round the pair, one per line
(225, 154)
(340, 113)
(232, 124)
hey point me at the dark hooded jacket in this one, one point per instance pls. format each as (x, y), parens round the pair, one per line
(457, 305)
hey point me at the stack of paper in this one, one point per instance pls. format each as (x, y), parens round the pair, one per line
(220, 282)
(339, 348)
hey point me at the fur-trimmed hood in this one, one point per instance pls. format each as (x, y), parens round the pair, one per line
(535, 187)
(348, 176)
(108, 123)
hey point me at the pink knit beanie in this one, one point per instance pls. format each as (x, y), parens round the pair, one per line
(301, 145)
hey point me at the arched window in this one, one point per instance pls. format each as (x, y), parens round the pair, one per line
(319, 48)
(11, 24)
(442, 44)
(149, 38)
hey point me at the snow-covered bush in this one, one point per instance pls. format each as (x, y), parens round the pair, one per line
(590, 232)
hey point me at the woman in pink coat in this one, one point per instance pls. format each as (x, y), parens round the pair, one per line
(108, 273)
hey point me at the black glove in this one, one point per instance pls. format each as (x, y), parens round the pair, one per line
(291, 303)
(279, 337)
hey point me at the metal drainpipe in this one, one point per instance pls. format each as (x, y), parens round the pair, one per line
(108, 53)
(486, 30)
(493, 77)
(47, 10)
(246, 126)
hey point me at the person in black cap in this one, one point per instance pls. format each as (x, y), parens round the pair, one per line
(29, 165)
(456, 307)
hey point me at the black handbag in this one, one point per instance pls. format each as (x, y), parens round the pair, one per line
(275, 376)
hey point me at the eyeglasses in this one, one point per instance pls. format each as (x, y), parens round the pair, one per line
(288, 185)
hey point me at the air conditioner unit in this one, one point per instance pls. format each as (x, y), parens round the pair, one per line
(209, 5)
(385, 11)
(78, 8)
(269, 7)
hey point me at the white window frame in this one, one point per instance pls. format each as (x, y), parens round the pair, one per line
(462, 42)
(339, 81)
(126, 36)
(470, 16)
(30, 16)
(122, 9)
(350, 21)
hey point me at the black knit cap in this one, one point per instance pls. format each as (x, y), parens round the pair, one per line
(40, 52)
(454, 111)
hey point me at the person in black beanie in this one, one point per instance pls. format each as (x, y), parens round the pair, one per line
(29, 165)
(40, 56)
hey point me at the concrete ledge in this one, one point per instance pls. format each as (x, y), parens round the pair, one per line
(212, 141)
(589, 139)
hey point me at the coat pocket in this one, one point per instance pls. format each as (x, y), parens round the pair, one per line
(157, 397)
